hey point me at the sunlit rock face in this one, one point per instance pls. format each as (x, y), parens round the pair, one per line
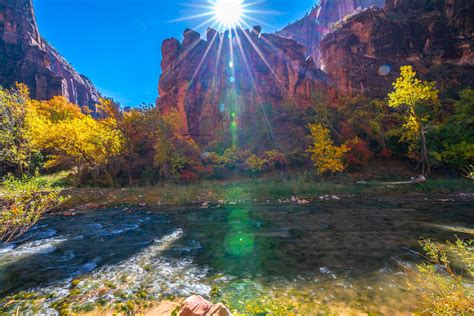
(314, 26)
(227, 77)
(365, 53)
(26, 57)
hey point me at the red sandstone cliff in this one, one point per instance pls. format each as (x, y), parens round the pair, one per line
(26, 57)
(364, 54)
(309, 30)
(206, 85)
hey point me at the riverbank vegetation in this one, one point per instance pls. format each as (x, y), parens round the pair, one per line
(142, 146)
(443, 283)
(22, 203)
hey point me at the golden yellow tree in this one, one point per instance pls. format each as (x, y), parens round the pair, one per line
(71, 138)
(326, 156)
(418, 101)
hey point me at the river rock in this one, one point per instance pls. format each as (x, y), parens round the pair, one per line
(89, 206)
(69, 213)
(219, 310)
(195, 306)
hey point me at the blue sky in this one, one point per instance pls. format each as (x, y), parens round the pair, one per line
(117, 43)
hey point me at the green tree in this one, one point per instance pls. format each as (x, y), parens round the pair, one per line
(417, 101)
(453, 141)
(15, 138)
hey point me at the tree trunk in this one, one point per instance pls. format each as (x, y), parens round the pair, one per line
(130, 178)
(426, 168)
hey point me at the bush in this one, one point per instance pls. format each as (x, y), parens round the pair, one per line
(439, 282)
(359, 154)
(22, 202)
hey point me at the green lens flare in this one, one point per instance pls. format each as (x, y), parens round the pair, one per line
(239, 243)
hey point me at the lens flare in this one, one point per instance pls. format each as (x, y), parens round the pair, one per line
(228, 12)
(384, 70)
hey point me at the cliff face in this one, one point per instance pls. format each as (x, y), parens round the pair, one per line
(26, 57)
(229, 76)
(366, 52)
(311, 29)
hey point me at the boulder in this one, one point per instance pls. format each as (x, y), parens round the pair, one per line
(219, 310)
(195, 306)
(198, 306)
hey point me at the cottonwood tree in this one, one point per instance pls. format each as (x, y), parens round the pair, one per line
(72, 139)
(326, 156)
(418, 101)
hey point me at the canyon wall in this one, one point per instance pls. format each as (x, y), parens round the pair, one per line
(27, 58)
(364, 54)
(309, 30)
(210, 82)
(229, 76)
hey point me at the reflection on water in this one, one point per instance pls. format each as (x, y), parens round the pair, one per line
(331, 256)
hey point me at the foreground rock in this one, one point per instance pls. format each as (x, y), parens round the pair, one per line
(198, 306)
(27, 58)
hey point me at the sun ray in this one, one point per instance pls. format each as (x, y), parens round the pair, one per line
(252, 79)
(209, 47)
(262, 57)
(192, 17)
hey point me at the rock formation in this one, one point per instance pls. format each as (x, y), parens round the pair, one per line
(228, 76)
(225, 79)
(26, 57)
(309, 30)
(364, 54)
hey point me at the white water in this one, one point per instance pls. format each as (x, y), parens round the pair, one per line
(147, 271)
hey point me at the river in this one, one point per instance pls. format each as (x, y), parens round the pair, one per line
(330, 256)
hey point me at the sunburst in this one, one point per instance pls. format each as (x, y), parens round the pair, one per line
(225, 15)
(233, 17)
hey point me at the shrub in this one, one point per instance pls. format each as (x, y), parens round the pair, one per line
(359, 153)
(22, 202)
(440, 286)
(275, 159)
(255, 164)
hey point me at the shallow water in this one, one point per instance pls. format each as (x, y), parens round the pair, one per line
(339, 256)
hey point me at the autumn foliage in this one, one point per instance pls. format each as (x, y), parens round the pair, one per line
(326, 156)
(142, 146)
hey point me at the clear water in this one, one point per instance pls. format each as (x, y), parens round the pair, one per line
(331, 256)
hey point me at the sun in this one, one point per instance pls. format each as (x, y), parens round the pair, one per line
(228, 13)
(223, 15)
